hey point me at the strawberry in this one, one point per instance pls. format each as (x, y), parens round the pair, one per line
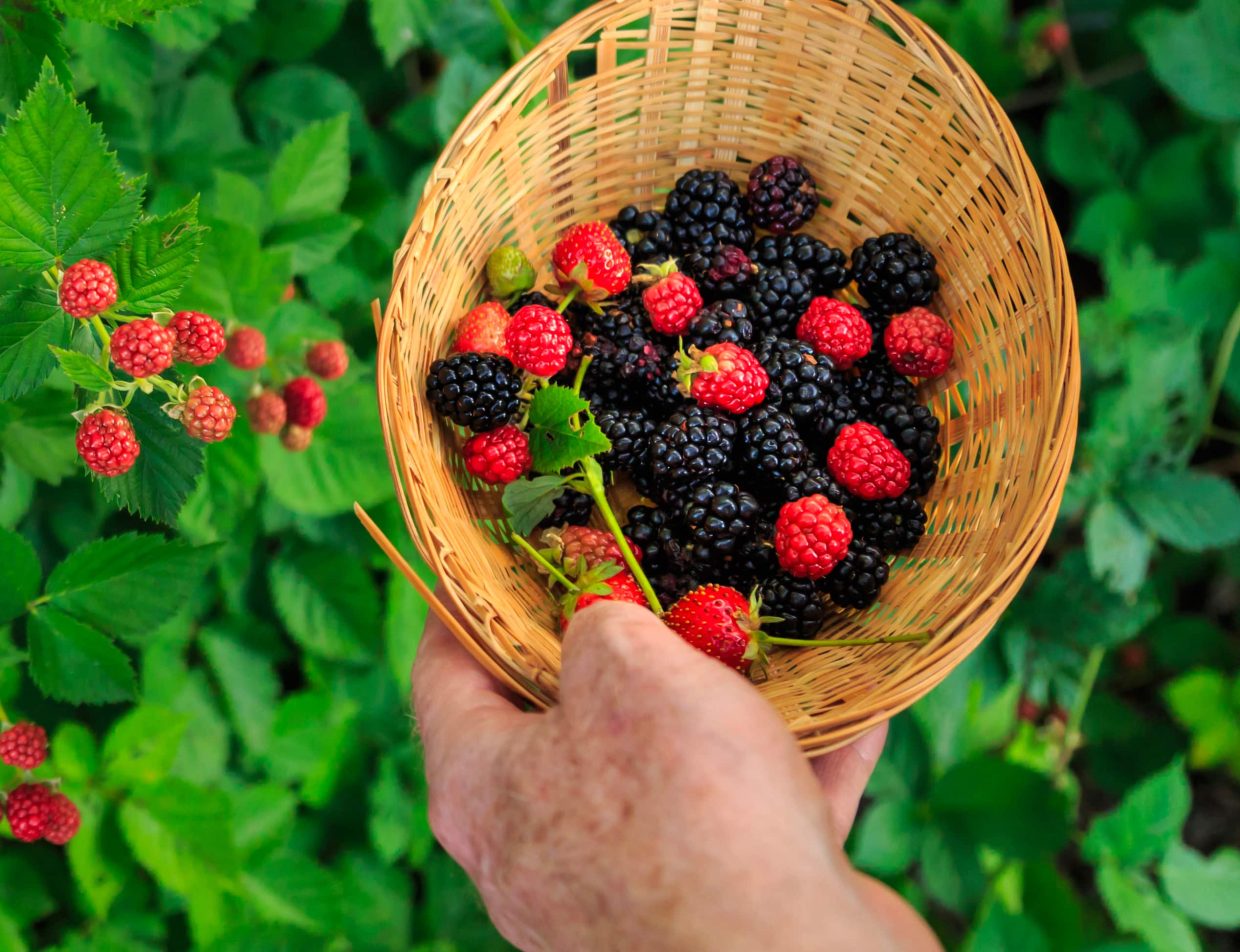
(673, 301)
(721, 622)
(482, 330)
(725, 376)
(837, 329)
(603, 587)
(538, 340)
(591, 258)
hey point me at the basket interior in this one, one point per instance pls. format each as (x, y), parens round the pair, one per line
(900, 137)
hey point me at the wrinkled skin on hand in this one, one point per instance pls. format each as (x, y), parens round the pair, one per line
(662, 806)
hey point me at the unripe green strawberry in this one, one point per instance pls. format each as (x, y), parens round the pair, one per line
(509, 272)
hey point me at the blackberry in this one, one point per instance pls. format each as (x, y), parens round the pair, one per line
(656, 533)
(673, 585)
(692, 445)
(894, 272)
(646, 235)
(797, 602)
(724, 322)
(893, 525)
(478, 391)
(571, 509)
(813, 481)
(877, 385)
(629, 367)
(826, 267)
(878, 321)
(720, 272)
(667, 495)
(532, 297)
(782, 194)
(856, 581)
(840, 410)
(629, 432)
(777, 298)
(915, 430)
(718, 518)
(802, 380)
(769, 448)
(756, 559)
(706, 208)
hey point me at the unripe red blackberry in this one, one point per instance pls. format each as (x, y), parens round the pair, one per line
(200, 337)
(87, 288)
(307, 405)
(143, 348)
(63, 820)
(208, 414)
(28, 808)
(296, 439)
(328, 359)
(106, 441)
(246, 348)
(267, 412)
(23, 746)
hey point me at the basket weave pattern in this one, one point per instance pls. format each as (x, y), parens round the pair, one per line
(901, 136)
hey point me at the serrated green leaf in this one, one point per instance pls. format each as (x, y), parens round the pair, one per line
(157, 260)
(286, 100)
(248, 682)
(1196, 55)
(192, 27)
(83, 369)
(311, 174)
(311, 732)
(328, 602)
(528, 502)
(1137, 908)
(561, 434)
(1118, 551)
(62, 196)
(263, 815)
(1191, 510)
(37, 434)
(142, 746)
(29, 34)
(390, 818)
(460, 85)
(100, 861)
(235, 198)
(226, 492)
(313, 242)
(999, 929)
(398, 26)
(1091, 140)
(886, 838)
(118, 63)
(237, 279)
(291, 888)
(111, 12)
(71, 661)
(30, 322)
(19, 574)
(1147, 821)
(1204, 887)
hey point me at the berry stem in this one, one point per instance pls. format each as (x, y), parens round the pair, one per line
(581, 373)
(594, 481)
(51, 281)
(568, 298)
(4, 718)
(538, 557)
(919, 638)
(1226, 347)
(105, 339)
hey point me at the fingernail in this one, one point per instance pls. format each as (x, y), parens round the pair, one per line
(870, 744)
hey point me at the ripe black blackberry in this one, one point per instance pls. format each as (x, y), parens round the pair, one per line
(691, 445)
(841, 409)
(894, 272)
(629, 368)
(657, 534)
(878, 321)
(856, 581)
(894, 525)
(825, 267)
(802, 380)
(756, 559)
(629, 432)
(720, 272)
(663, 493)
(646, 235)
(672, 585)
(723, 322)
(782, 194)
(474, 390)
(717, 519)
(777, 298)
(532, 297)
(706, 208)
(797, 602)
(571, 509)
(813, 481)
(915, 430)
(878, 384)
(768, 447)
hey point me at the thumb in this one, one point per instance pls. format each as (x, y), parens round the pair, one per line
(843, 775)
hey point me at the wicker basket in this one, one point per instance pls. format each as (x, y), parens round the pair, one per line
(901, 136)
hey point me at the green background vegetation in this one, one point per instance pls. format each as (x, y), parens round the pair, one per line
(227, 691)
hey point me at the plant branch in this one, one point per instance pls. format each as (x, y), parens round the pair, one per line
(1072, 730)
(1226, 348)
(581, 373)
(1042, 95)
(538, 557)
(594, 480)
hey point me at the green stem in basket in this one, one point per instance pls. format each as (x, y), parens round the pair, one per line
(537, 556)
(581, 373)
(569, 298)
(594, 481)
(918, 638)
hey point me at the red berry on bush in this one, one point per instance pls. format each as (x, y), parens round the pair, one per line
(328, 359)
(87, 288)
(1055, 37)
(868, 464)
(498, 456)
(837, 329)
(267, 412)
(1028, 710)
(200, 337)
(1134, 656)
(306, 402)
(29, 808)
(106, 441)
(208, 414)
(23, 746)
(593, 546)
(811, 537)
(143, 348)
(63, 820)
(296, 439)
(919, 343)
(246, 348)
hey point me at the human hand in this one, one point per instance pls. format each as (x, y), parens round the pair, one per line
(662, 805)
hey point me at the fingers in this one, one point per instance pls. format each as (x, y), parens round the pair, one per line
(843, 775)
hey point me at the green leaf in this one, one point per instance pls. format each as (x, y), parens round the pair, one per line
(1135, 905)
(1118, 551)
(561, 435)
(311, 174)
(398, 26)
(1099, 617)
(1091, 141)
(313, 242)
(73, 662)
(237, 200)
(284, 101)
(29, 34)
(263, 816)
(392, 808)
(460, 85)
(111, 12)
(237, 279)
(19, 574)
(1204, 702)
(248, 682)
(119, 63)
(62, 196)
(887, 837)
(158, 259)
(950, 870)
(100, 862)
(1108, 220)
(30, 322)
(328, 602)
(1196, 55)
(83, 369)
(1000, 929)
(192, 28)
(142, 746)
(528, 502)
(1204, 888)
(99, 582)
(226, 492)
(1191, 510)
(291, 888)
(37, 434)
(166, 470)
(310, 737)
(1146, 823)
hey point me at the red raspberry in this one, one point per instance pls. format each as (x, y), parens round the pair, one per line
(867, 464)
(836, 329)
(246, 348)
(595, 546)
(919, 343)
(1055, 37)
(811, 536)
(296, 439)
(306, 402)
(539, 340)
(267, 412)
(589, 256)
(498, 456)
(624, 588)
(87, 288)
(23, 745)
(328, 359)
(726, 376)
(63, 820)
(672, 303)
(106, 441)
(482, 330)
(143, 348)
(208, 414)
(29, 810)
(200, 337)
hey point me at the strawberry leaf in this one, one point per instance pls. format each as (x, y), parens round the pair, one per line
(562, 430)
(529, 501)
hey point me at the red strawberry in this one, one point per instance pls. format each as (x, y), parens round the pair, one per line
(482, 330)
(811, 537)
(538, 340)
(621, 587)
(673, 301)
(837, 329)
(867, 464)
(719, 621)
(919, 343)
(726, 376)
(498, 456)
(589, 256)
